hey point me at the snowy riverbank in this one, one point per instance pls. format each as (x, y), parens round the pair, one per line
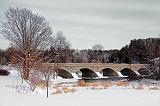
(14, 93)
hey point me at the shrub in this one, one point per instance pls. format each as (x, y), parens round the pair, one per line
(4, 72)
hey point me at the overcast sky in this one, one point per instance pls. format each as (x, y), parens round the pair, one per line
(112, 23)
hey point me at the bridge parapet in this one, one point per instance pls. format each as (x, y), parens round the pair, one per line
(103, 69)
(97, 67)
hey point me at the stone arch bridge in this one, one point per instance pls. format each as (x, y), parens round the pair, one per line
(91, 70)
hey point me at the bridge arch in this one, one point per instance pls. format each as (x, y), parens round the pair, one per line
(88, 73)
(144, 71)
(109, 72)
(64, 74)
(128, 72)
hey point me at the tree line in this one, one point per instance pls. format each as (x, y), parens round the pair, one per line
(139, 51)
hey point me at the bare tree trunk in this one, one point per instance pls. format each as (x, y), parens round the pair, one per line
(26, 71)
(26, 66)
(47, 89)
(21, 73)
(159, 64)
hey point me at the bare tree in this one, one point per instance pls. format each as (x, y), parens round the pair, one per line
(97, 53)
(151, 46)
(159, 62)
(44, 73)
(60, 44)
(28, 32)
(97, 47)
(83, 56)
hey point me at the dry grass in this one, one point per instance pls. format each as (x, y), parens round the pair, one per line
(75, 85)
(106, 87)
(139, 87)
(42, 86)
(58, 91)
(107, 84)
(85, 84)
(122, 83)
(65, 90)
(154, 88)
(100, 87)
(82, 83)
(93, 84)
(72, 90)
(102, 84)
(68, 90)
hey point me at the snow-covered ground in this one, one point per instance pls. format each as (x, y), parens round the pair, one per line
(15, 93)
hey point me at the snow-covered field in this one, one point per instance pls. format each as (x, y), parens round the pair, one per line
(14, 93)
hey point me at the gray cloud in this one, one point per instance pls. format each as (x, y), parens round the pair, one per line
(112, 23)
